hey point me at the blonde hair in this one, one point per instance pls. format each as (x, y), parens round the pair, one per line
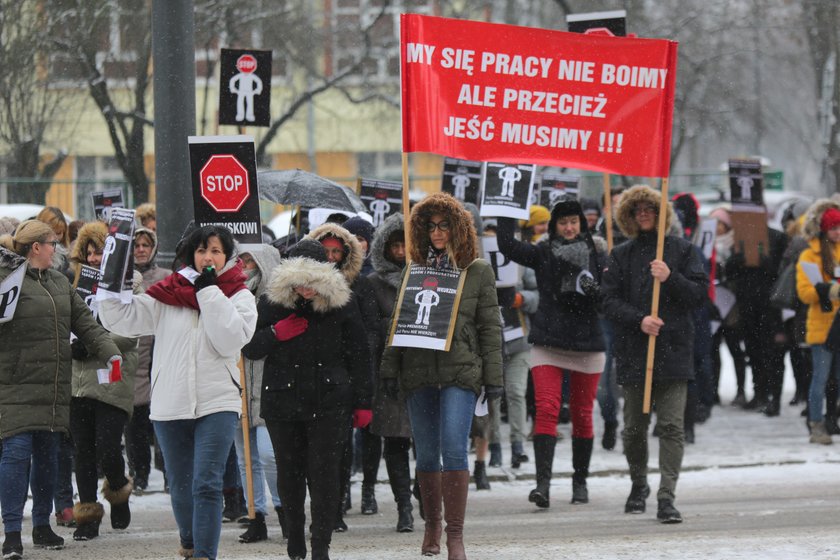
(27, 233)
(54, 218)
(145, 212)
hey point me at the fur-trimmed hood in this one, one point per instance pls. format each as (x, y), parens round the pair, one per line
(629, 199)
(813, 217)
(354, 257)
(383, 266)
(10, 259)
(333, 290)
(95, 232)
(463, 238)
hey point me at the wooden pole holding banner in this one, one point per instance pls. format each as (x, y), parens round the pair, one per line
(654, 308)
(246, 438)
(406, 207)
(608, 211)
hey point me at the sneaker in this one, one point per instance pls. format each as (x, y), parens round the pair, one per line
(44, 537)
(12, 547)
(667, 513)
(64, 518)
(636, 500)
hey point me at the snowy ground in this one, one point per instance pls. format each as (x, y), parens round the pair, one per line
(752, 487)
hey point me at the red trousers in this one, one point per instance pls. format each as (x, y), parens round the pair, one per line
(548, 395)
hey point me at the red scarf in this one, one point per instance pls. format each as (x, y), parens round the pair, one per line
(176, 290)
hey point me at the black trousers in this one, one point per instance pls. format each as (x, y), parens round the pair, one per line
(97, 430)
(138, 441)
(308, 453)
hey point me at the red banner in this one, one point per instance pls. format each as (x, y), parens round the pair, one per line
(485, 91)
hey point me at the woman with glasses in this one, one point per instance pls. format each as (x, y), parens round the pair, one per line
(35, 379)
(441, 388)
(99, 412)
(566, 336)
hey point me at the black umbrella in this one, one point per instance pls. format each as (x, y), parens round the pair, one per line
(294, 187)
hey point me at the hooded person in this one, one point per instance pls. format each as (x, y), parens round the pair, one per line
(139, 429)
(363, 230)
(316, 374)
(99, 411)
(390, 417)
(258, 264)
(627, 291)
(348, 256)
(566, 336)
(443, 237)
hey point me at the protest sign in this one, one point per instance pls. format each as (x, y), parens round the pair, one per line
(245, 87)
(512, 324)
(86, 286)
(552, 186)
(223, 170)
(506, 271)
(612, 23)
(117, 268)
(462, 179)
(382, 198)
(427, 308)
(10, 293)
(746, 185)
(706, 234)
(493, 92)
(506, 190)
(103, 201)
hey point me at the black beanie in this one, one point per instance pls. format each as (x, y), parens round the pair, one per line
(310, 249)
(566, 205)
(359, 227)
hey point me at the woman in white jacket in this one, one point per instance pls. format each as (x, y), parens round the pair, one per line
(201, 316)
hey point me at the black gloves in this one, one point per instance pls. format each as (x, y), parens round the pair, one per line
(78, 350)
(590, 287)
(207, 278)
(492, 392)
(391, 387)
(823, 288)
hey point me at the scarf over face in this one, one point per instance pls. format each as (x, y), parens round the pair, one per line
(177, 289)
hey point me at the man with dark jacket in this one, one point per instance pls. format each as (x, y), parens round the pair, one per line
(627, 295)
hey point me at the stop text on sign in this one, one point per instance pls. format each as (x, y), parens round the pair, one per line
(224, 183)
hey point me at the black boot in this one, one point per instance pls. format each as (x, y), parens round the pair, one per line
(399, 476)
(369, 505)
(608, 440)
(232, 510)
(581, 455)
(88, 516)
(281, 517)
(636, 500)
(256, 530)
(543, 460)
(480, 476)
(120, 511)
(44, 537)
(667, 513)
(12, 547)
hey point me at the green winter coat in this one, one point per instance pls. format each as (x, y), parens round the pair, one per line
(35, 350)
(119, 394)
(475, 356)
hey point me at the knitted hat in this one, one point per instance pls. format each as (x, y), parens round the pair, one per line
(722, 215)
(830, 219)
(686, 207)
(538, 215)
(566, 205)
(310, 249)
(359, 227)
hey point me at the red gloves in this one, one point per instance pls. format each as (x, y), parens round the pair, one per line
(290, 327)
(362, 418)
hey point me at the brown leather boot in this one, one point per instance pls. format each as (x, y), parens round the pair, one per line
(455, 486)
(430, 495)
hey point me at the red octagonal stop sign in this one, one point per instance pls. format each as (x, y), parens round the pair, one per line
(224, 183)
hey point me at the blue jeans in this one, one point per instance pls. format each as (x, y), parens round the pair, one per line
(195, 453)
(40, 448)
(440, 423)
(825, 363)
(263, 467)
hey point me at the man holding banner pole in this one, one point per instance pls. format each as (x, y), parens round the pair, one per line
(648, 265)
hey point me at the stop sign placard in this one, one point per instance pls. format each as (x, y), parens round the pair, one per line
(224, 183)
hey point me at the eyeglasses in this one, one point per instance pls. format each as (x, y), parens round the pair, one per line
(639, 210)
(53, 243)
(442, 226)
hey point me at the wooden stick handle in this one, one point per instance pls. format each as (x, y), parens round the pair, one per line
(654, 307)
(406, 204)
(246, 438)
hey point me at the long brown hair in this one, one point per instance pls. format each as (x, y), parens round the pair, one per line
(827, 255)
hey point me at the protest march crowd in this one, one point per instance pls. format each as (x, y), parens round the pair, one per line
(156, 375)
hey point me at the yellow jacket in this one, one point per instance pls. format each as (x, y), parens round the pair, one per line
(818, 323)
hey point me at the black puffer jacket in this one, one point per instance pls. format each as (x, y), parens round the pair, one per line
(324, 372)
(567, 320)
(627, 292)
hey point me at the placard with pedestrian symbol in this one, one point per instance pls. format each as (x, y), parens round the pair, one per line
(506, 189)
(116, 272)
(462, 179)
(245, 87)
(427, 308)
(553, 186)
(382, 198)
